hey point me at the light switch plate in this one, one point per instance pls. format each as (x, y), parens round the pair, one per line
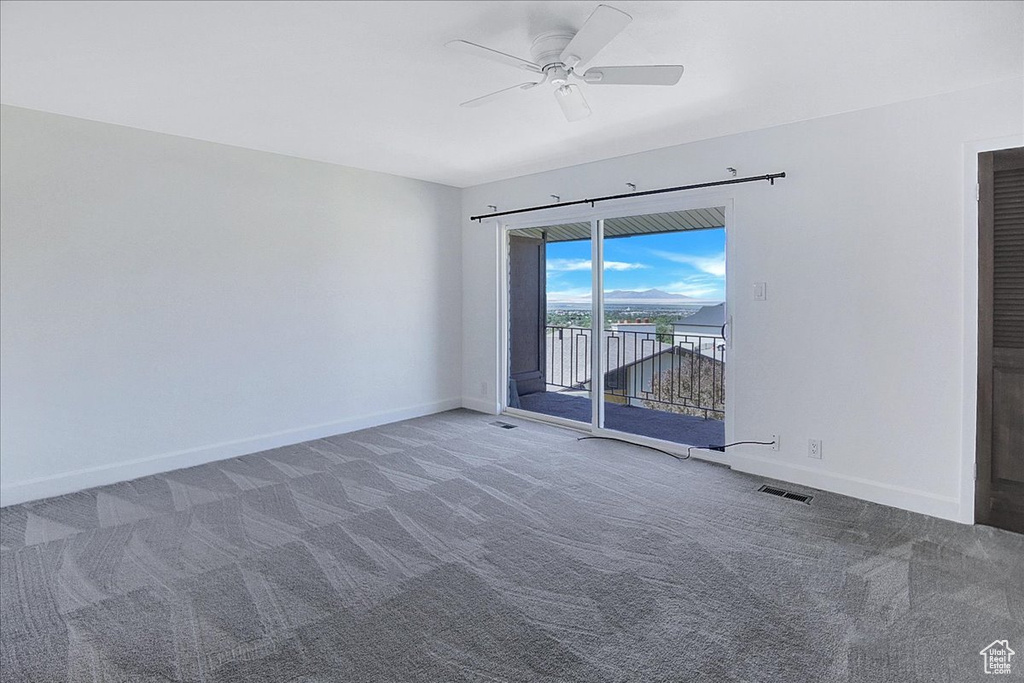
(760, 291)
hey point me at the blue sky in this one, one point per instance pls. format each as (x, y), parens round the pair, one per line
(691, 263)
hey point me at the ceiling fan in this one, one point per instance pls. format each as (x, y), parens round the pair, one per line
(558, 54)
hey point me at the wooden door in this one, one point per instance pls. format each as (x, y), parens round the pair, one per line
(527, 314)
(999, 491)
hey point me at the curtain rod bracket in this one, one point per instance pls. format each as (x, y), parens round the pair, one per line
(480, 218)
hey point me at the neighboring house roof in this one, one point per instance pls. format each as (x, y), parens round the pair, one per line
(567, 362)
(568, 356)
(706, 316)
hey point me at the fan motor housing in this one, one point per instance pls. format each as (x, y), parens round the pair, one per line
(548, 47)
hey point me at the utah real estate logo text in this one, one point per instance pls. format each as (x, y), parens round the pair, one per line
(997, 657)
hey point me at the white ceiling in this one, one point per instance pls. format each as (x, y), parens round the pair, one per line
(370, 85)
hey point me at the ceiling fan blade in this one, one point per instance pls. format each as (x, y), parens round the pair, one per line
(495, 95)
(493, 55)
(604, 24)
(634, 75)
(573, 104)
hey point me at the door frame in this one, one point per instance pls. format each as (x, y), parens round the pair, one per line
(596, 216)
(969, 380)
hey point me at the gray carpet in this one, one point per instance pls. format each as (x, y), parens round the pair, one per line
(448, 549)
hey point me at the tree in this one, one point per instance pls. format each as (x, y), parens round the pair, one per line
(695, 386)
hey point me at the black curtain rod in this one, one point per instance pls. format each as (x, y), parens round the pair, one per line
(770, 177)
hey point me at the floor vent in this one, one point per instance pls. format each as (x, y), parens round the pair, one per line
(789, 495)
(504, 425)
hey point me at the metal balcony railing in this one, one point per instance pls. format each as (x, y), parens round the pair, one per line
(681, 373)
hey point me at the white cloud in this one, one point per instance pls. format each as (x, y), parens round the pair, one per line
(570, 264)
(698, 286)
(619, 265)
(712, 265)
(692, 291)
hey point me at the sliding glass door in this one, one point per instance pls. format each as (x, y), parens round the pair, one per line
(550, 306)
(636, 345)
(663, 343)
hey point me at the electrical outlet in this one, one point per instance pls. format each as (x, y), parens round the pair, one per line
(775, 442)
(814, 448)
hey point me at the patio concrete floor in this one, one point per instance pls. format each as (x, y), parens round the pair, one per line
(656, 424)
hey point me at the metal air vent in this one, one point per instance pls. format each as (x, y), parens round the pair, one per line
(789, 495)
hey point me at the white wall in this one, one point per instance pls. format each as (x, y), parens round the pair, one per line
(167, 301)
(861, 342)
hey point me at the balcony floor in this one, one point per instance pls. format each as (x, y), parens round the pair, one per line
(656, 424)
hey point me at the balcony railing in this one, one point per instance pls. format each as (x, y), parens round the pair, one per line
(681, 373)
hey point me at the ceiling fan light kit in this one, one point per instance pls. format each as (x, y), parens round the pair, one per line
(574, 106)
(557, 54)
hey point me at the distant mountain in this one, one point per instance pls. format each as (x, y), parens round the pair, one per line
(647, 294)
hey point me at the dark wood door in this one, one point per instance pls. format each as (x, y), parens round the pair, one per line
(999, 494)
(527, 313)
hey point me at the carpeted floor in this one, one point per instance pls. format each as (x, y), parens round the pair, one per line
(447, 549)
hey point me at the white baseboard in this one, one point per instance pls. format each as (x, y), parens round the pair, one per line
(77, 480)
(856, 487)
(481, 405)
